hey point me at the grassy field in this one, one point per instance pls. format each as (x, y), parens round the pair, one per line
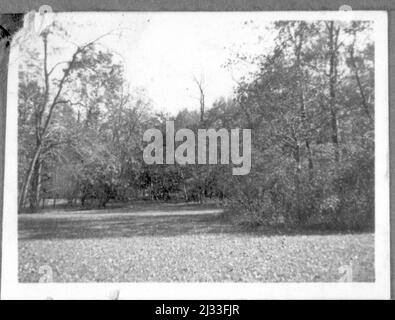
(179, 242)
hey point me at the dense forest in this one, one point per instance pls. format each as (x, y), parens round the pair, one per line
(309, 104)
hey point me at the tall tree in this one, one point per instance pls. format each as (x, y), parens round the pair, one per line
(333, 56)
(53, 89)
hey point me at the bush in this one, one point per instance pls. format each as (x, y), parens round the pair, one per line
(336, 195)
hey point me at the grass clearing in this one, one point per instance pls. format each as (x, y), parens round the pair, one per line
(180, 243)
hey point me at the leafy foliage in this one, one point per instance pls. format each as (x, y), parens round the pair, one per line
(309, 104)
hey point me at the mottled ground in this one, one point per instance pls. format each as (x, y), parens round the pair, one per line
(178, 242)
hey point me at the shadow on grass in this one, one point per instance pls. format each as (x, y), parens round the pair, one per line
(153, 220)
(118, 207)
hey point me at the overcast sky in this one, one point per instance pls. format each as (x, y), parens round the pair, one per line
(162, 52)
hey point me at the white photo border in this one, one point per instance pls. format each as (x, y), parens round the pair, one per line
(379, 289)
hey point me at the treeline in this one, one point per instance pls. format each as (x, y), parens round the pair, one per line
(309, 105)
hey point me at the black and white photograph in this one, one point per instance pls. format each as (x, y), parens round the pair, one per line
(197, 154)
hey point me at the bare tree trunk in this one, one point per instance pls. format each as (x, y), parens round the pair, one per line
(36, 186)
(201, 174)
(185, 191)
(27, 180)
(298, 40)
(303, 117)
(299, 213)
(359, 84)
(333, 48)
(309, 155)
(184, 187)
(43, 124)
(200, 85)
